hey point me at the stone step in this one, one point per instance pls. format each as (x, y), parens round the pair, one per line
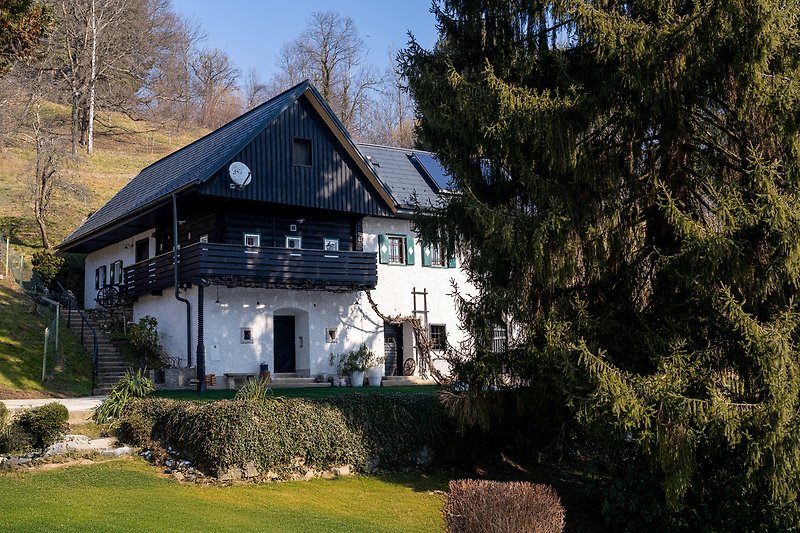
(282, 379)
(281, 384)
(402, 381)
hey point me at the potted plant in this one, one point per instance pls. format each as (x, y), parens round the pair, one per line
(354, 363)
(375, 370)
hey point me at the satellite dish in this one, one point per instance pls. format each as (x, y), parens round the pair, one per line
(240, 175)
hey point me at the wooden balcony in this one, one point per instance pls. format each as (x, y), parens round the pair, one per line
(238, 265)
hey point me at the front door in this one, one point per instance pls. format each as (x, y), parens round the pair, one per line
(392, 349)
(142, 250)
(284, 344)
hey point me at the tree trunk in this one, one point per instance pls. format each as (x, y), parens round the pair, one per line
(92, 81)
(75, 126)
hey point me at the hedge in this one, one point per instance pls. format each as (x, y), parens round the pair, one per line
(285, 435)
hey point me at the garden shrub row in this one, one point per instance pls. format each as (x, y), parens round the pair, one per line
(284, 435)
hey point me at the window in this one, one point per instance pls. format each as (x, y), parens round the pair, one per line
(438, 337)
(330, 245)
(116, 273)
(438, 255)
(395, 250)
(252, 239)
(203, 239)
(435, 255)
(499, 339)
(330, 335)
(295, 243)
(397, 255)
(100, 277)
(246, 336)
(301, 152)
(142, 250)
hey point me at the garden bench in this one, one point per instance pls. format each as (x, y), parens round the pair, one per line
(243, 376)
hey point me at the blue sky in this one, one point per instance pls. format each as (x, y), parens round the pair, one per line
(252, 32)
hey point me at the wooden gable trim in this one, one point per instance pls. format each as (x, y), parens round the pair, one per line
(348, 146)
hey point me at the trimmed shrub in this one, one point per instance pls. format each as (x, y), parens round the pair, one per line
(286, 435)
(44, 424)
(477, 506)
(135, 429)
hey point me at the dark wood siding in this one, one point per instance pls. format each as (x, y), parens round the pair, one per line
(199, 217)
(226, 222)
(332, 182)
(274, 223)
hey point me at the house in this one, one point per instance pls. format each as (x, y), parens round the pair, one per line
(281, 223)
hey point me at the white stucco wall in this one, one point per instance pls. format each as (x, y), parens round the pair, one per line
(396, 283)
(239, 307)
(124, 251)
(315, 311)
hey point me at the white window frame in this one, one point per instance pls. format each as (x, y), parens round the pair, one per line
(334, 243)
(331, 335)
(100, 281)
(294, 238)
(435, 345)
(256, 239)
(116, 273)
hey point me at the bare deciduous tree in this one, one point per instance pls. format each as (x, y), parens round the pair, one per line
(214, 81)
(333, 56)
(392, 113)
(255, 91)
(48, 174)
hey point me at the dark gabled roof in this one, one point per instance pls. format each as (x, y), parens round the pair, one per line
(189, 165)
(198, 161)
(401, 174)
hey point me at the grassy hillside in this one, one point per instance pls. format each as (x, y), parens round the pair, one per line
(22, 328)
(122, 148)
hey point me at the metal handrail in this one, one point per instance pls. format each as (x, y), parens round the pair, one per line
(72, 302)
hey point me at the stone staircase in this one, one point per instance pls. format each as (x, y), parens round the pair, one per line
(111, 366)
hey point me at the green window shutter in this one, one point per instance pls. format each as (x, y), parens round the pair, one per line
(451, 262)
(409, 250)
(383, 249)
(426, 255)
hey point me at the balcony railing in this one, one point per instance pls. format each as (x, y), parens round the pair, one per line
(238, 265)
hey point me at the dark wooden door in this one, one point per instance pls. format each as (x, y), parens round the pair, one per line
(393, 349)
(284, 344)
(142, 250)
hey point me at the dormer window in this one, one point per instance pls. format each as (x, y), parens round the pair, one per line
(301, 152)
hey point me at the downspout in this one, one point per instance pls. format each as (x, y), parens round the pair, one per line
(177, 291)
(201, 347)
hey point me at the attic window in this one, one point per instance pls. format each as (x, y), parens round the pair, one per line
(301, 152)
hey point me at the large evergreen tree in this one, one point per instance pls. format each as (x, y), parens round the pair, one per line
(630, 197)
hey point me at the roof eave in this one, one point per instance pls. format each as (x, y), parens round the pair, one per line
(66, 246)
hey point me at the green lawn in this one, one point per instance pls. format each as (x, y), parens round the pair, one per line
(129, 495)
(316, 392)
(21, 347)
